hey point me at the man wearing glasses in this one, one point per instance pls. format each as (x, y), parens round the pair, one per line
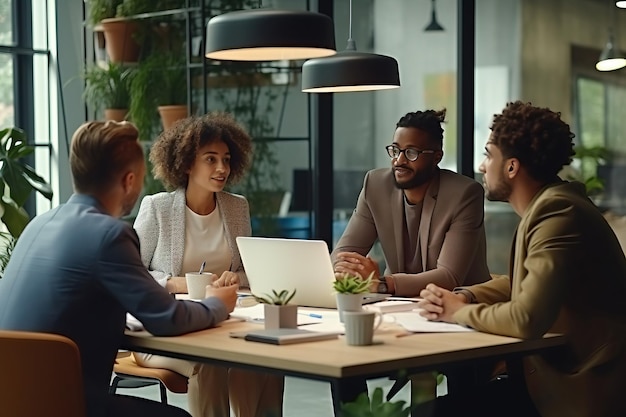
(429, 221)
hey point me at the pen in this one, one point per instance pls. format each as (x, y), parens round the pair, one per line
(315, 316)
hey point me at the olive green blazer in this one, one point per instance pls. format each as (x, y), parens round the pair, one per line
(568, 276)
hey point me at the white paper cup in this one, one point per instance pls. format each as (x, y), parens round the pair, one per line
(360, 326)
(196, 284)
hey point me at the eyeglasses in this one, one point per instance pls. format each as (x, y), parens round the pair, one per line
(409, 153)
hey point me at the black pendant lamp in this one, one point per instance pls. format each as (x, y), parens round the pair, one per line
(350, 71)
(269, 35)
(433, 25)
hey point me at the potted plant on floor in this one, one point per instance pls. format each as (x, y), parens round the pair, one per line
(350, 290)
(279, 314)
(17, 182)
(376, 407)
(108, 88)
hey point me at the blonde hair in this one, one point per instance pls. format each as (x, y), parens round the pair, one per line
(100, 152)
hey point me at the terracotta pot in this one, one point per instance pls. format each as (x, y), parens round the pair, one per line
(281, 317)
(119, 41)
(171, 114)
(118, 115)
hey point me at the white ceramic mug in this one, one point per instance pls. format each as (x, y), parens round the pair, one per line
(360, 326)
(196, 284)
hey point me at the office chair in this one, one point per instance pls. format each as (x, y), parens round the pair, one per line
(130, 375)
(40, 375)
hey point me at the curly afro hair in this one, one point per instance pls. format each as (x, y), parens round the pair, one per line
(537, 137)
(174, 151)
(429, 121)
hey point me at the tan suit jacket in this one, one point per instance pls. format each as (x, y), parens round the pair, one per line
(160, 225)
(569, 276)
(451, 231)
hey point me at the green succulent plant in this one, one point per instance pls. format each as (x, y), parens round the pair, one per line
(276, 298)
(376, 407)
(352, 284)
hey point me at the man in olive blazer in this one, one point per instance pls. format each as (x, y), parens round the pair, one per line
(567, 275)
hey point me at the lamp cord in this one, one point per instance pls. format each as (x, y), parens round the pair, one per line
(351, 43)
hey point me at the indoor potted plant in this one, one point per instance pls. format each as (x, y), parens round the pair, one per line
(108, 87)
(278, 312)
(363, 406)
(350, 290)
(17, 182)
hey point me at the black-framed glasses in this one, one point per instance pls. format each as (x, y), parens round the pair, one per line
(409, 153)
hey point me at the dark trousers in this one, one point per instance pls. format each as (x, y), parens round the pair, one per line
(500, 397)
(126, 406)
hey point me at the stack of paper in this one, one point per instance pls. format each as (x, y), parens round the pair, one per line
(391, 306)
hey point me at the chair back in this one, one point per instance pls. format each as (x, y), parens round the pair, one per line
(40, 375)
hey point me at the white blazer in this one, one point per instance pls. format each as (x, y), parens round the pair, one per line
(160, 225)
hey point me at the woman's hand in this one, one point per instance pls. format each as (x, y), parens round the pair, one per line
(228, 278)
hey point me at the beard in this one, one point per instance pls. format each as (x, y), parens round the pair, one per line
(418, 178)
(501, 191)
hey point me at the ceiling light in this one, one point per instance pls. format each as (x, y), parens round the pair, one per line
(269, 35)
(350, 71)
(610, 58)
(433, 25)
(621, 4)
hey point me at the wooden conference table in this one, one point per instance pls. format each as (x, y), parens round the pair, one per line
(333, 360)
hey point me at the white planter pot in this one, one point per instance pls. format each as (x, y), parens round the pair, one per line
(349, 302)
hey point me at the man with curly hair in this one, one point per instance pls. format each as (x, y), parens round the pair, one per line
(197, 224)
(567, 275)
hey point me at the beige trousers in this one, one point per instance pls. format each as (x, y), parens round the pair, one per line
(252, 394)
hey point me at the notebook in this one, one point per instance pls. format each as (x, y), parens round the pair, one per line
(285, 336)
(288, 264)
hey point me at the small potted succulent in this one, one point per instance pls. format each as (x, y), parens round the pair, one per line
(279, 314)
(350, 290)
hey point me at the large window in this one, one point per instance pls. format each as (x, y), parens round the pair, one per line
(24, 97)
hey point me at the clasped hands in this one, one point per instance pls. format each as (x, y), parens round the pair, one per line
(439, 304)
(358, 265)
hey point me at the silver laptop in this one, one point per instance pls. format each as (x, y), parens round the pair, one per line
(288, 264)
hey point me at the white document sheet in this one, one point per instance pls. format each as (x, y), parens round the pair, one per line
(413, 322)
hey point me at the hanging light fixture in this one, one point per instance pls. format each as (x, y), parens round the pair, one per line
(269, 35)
(611, 58)
(350, 70)
(433, 25)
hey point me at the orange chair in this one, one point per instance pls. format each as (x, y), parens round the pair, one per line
(130, 375)
(40, 375)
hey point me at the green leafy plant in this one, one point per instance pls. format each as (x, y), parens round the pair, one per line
(276, 298)
(108, 87)
(376, 407)
(102, 9)
(17, 182)
(352, 284)
(7, 243)
(589, 158)
(160, 79)
(17, 179)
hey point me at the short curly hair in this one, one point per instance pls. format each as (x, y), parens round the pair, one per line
(429, 121)
(536, 136)
(174, 151)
